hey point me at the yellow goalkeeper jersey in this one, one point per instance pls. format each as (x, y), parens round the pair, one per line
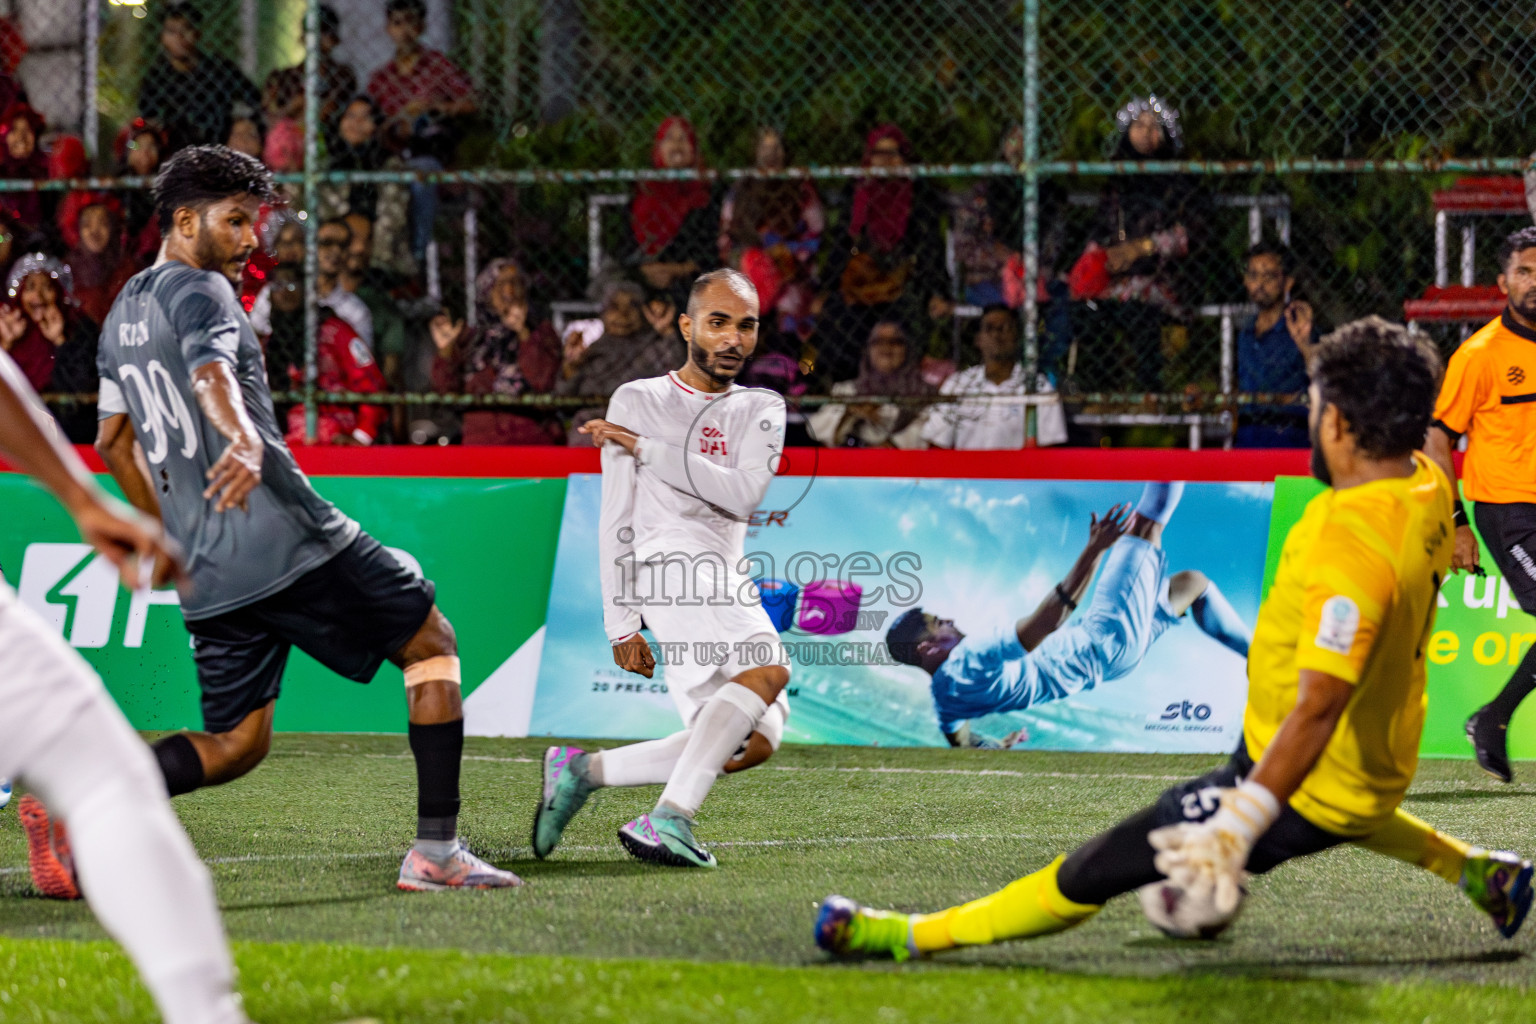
(1354, 596)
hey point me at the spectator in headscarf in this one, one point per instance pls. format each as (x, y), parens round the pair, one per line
(887, 261)
(512, 351)
(1146, 227)
(66, 159)
(674, 224)
(772, 232)
(139, 148)
(627, 350)
(21, 129)
(891, 365)
(12, 48)
(91, 227)
(53, 344)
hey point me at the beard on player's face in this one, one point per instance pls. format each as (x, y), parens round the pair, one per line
(1523, 302)
(210, 255)
(709, 363)
(1319, 463)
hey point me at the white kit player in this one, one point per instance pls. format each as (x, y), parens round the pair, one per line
(64, 739)
(686, 458)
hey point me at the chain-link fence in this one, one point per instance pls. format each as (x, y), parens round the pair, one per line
(506, 199)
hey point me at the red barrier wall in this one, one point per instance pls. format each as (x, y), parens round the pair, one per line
(1036, 463)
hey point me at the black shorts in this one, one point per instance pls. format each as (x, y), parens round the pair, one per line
(1121, 860)
(349, 614)
(1509, 533)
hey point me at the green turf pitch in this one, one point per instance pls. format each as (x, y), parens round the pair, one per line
(304, 852)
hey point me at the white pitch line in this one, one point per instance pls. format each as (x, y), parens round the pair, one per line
(1008, 773)
(508, 853)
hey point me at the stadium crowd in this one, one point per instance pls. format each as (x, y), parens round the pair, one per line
(889, 289)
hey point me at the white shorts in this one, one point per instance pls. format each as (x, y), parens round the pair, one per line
(720, 631)
(44, 685)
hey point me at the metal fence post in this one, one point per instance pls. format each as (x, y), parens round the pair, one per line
(90, 123)
(311, 211)
(1031, 184)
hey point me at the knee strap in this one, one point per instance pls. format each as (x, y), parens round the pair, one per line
(443, 667)
(771, 725)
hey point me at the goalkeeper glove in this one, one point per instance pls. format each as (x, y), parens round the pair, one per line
(1212, 855)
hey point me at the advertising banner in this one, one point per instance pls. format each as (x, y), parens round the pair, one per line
(1480, 636)
(848, 556)
(487, 544)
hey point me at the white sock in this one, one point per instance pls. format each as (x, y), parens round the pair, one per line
(722, 726)
(639, 764)
(137, 869)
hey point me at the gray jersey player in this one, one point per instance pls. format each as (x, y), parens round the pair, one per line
(271, 565)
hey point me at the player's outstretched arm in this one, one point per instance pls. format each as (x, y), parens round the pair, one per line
(1064, 597)
(116, 444)
(238, 471)
(31, 442)
(1437, 445)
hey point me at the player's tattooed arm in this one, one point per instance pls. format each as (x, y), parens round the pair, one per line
(238, 471)
(1065, 596)
(118, 447)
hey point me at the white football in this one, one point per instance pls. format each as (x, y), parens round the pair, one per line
(1180, 914)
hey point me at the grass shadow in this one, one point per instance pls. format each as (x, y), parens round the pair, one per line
(1460, 796)
(321, 901)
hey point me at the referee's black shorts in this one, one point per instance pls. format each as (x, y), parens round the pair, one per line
(349, 614)
(1509, 534)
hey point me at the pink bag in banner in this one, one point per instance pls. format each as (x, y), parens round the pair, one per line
(830, 607)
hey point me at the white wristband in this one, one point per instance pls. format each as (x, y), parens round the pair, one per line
(1247, 811)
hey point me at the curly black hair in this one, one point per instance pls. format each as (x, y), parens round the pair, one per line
(1383, 378)
(1516, 241)
(200, 176)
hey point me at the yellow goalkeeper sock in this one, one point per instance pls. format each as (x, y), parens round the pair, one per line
(1031, 906)
(1417, 842)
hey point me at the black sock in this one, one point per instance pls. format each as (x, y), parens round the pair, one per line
(1517, 689)
(179, 763)
(438, 749)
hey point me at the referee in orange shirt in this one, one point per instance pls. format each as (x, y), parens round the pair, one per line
(1489, 395)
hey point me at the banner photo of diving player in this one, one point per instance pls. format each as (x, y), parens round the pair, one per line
(1033, 614)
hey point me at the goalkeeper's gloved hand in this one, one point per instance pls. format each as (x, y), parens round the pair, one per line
(1212, 855)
